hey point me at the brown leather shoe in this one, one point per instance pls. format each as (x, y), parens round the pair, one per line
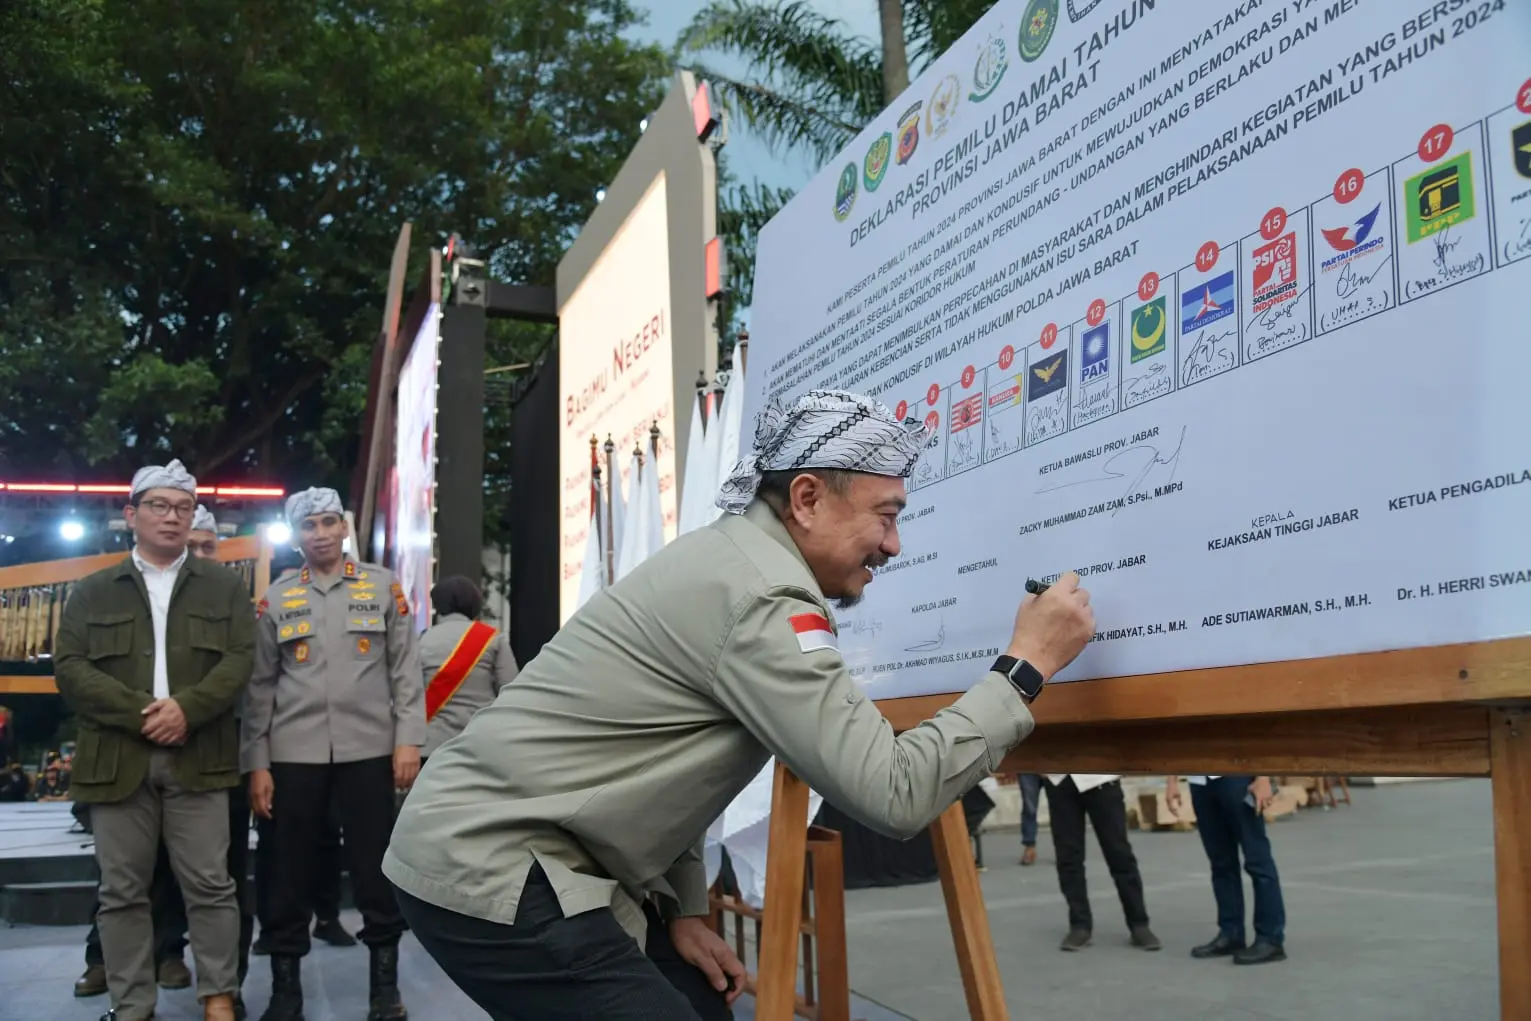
(173, 974)
(1029, 856)
(92, 983)
(218, 1008)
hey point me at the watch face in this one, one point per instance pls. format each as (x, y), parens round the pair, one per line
(1028, 678)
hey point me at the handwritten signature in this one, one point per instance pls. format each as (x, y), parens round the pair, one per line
(1350, 281)
(1271, 316)
(866, 627)
(1522, 243)
(1208, 357)
(1444, 246)
(1151, 384)
(1143, 456)
(1047, 419)
(930, 644)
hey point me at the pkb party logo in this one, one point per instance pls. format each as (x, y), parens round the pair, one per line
(845, 192)
(1037, 26)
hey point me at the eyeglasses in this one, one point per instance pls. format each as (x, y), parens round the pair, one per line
(164, 508)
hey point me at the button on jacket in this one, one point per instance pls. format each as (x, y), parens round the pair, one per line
(648, 712)
(494, 669)
(104, 663)
(337, 676)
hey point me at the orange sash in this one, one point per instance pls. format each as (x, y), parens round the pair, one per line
(470, 649)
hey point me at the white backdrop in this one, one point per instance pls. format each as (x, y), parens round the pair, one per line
(1220, 304)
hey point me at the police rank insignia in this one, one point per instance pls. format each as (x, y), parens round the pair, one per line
(363, 646)
(297, 590)
(399, 602)
(300, 652)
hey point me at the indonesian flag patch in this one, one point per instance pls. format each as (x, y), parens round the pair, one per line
(813, 631)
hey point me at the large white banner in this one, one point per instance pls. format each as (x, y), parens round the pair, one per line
(1220, 304)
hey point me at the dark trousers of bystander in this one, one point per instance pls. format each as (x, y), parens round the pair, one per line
(1106, 809)
(1228, 824)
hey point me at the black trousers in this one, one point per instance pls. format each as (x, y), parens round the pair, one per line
(547, 967)
(1107, 811)
(362, 793)
(326, 870)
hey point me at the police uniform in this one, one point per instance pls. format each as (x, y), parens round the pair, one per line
(578, 801)
(336, 689)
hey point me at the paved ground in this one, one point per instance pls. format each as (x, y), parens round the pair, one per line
(1390, 918)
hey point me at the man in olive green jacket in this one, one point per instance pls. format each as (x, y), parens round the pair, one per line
(151, 656)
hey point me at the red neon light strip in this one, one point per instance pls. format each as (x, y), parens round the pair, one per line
(70, 487)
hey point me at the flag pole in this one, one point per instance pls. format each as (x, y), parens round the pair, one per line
(742, 349)
(610, 537)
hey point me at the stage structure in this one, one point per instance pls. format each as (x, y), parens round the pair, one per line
(1175, 288)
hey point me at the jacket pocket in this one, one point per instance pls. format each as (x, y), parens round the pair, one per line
(209, 629)
(95, 760)
(109, 635)
(217, 746)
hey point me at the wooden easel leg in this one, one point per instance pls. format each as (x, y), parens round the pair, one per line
(786, 867)
(968, 916)
(1510, 762)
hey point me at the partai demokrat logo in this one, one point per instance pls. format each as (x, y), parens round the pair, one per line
(1037, 26)
(875, 165)
(990, 67)
(845, 192)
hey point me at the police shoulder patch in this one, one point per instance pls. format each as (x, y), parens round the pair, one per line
(399, 602)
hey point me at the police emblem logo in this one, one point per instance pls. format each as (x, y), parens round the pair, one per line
(304, 627)
(1520, 145)
(286, 632)
(875, 166)
(399, 602)
(351, 569)
(363, 646)
(942, 106)
(990, 67)
(300, 652)
(908, 134)
(1440, 197)
(1037, 26)
(845, 192)
(1148, 330)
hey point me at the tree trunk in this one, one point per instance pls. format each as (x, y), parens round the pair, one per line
(895, 59)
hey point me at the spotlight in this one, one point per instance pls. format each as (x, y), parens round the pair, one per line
(71, 531)
(278, 534)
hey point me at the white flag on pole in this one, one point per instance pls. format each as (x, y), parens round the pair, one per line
(593, 574)
(701, 482)
(730, 422)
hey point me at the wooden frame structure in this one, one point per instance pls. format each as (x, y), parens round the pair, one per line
(1451, 710)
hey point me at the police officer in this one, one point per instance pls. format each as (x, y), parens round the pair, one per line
(550, 858)
(336, 710)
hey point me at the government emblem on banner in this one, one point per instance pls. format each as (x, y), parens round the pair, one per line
(908, 133)
(1037, 26)
(1148, 330)
(1440, 197)
(943, 106)
(875, 166)
(845, 192)
(989, 69)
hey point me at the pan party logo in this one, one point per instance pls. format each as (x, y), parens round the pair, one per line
(908, 133)
(990, 67)
(845, 192)
(1037, 26)
(875, 166)
(943, 106)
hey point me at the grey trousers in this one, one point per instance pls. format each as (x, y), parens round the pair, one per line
(195, 829)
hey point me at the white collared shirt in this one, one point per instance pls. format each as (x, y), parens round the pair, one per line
(160, 581)
(1084, 781)
(1199, 780)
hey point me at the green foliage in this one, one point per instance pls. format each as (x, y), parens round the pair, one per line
(198, 203)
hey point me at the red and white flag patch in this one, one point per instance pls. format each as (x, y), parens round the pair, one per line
(813, 632)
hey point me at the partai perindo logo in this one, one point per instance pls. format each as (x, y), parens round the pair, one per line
(1037, 26)
(990, 67)
(875, 166)
(845, 192)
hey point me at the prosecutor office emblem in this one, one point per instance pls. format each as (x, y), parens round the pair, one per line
(908, 134)
(990, 67)
(845, 192)
(943, 105)
(875, 166)
(1037, 26)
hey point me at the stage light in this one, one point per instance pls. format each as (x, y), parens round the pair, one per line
(278, 534)
(71, 531)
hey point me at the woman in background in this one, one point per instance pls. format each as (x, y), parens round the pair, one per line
(465, 661)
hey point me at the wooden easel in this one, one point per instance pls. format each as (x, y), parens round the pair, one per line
(1452, 710)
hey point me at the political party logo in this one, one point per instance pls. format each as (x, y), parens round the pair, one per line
(908, 134)
(1275, 272)
(1439, 198)
(967, 413)
(875, 166)
(845, 192)
(1148, 330)
(942, 106)
(990, 67)
(1352, 241)
(1079, 8)
(1520, 145)
(1207, 303)
(1095, 360)
(1037, 26)
(1048, 376)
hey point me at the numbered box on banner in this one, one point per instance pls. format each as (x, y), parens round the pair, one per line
(1354, 247)
(1275, 284)
(1442, 215)
(1509, 147)
(1208, 314)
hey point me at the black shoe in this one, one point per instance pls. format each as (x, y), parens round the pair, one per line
(332, 932)
(1221, 946)
(385, 1003)
(286, 989)
(1143, 937)
(1262, 952)
(1077, 939)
